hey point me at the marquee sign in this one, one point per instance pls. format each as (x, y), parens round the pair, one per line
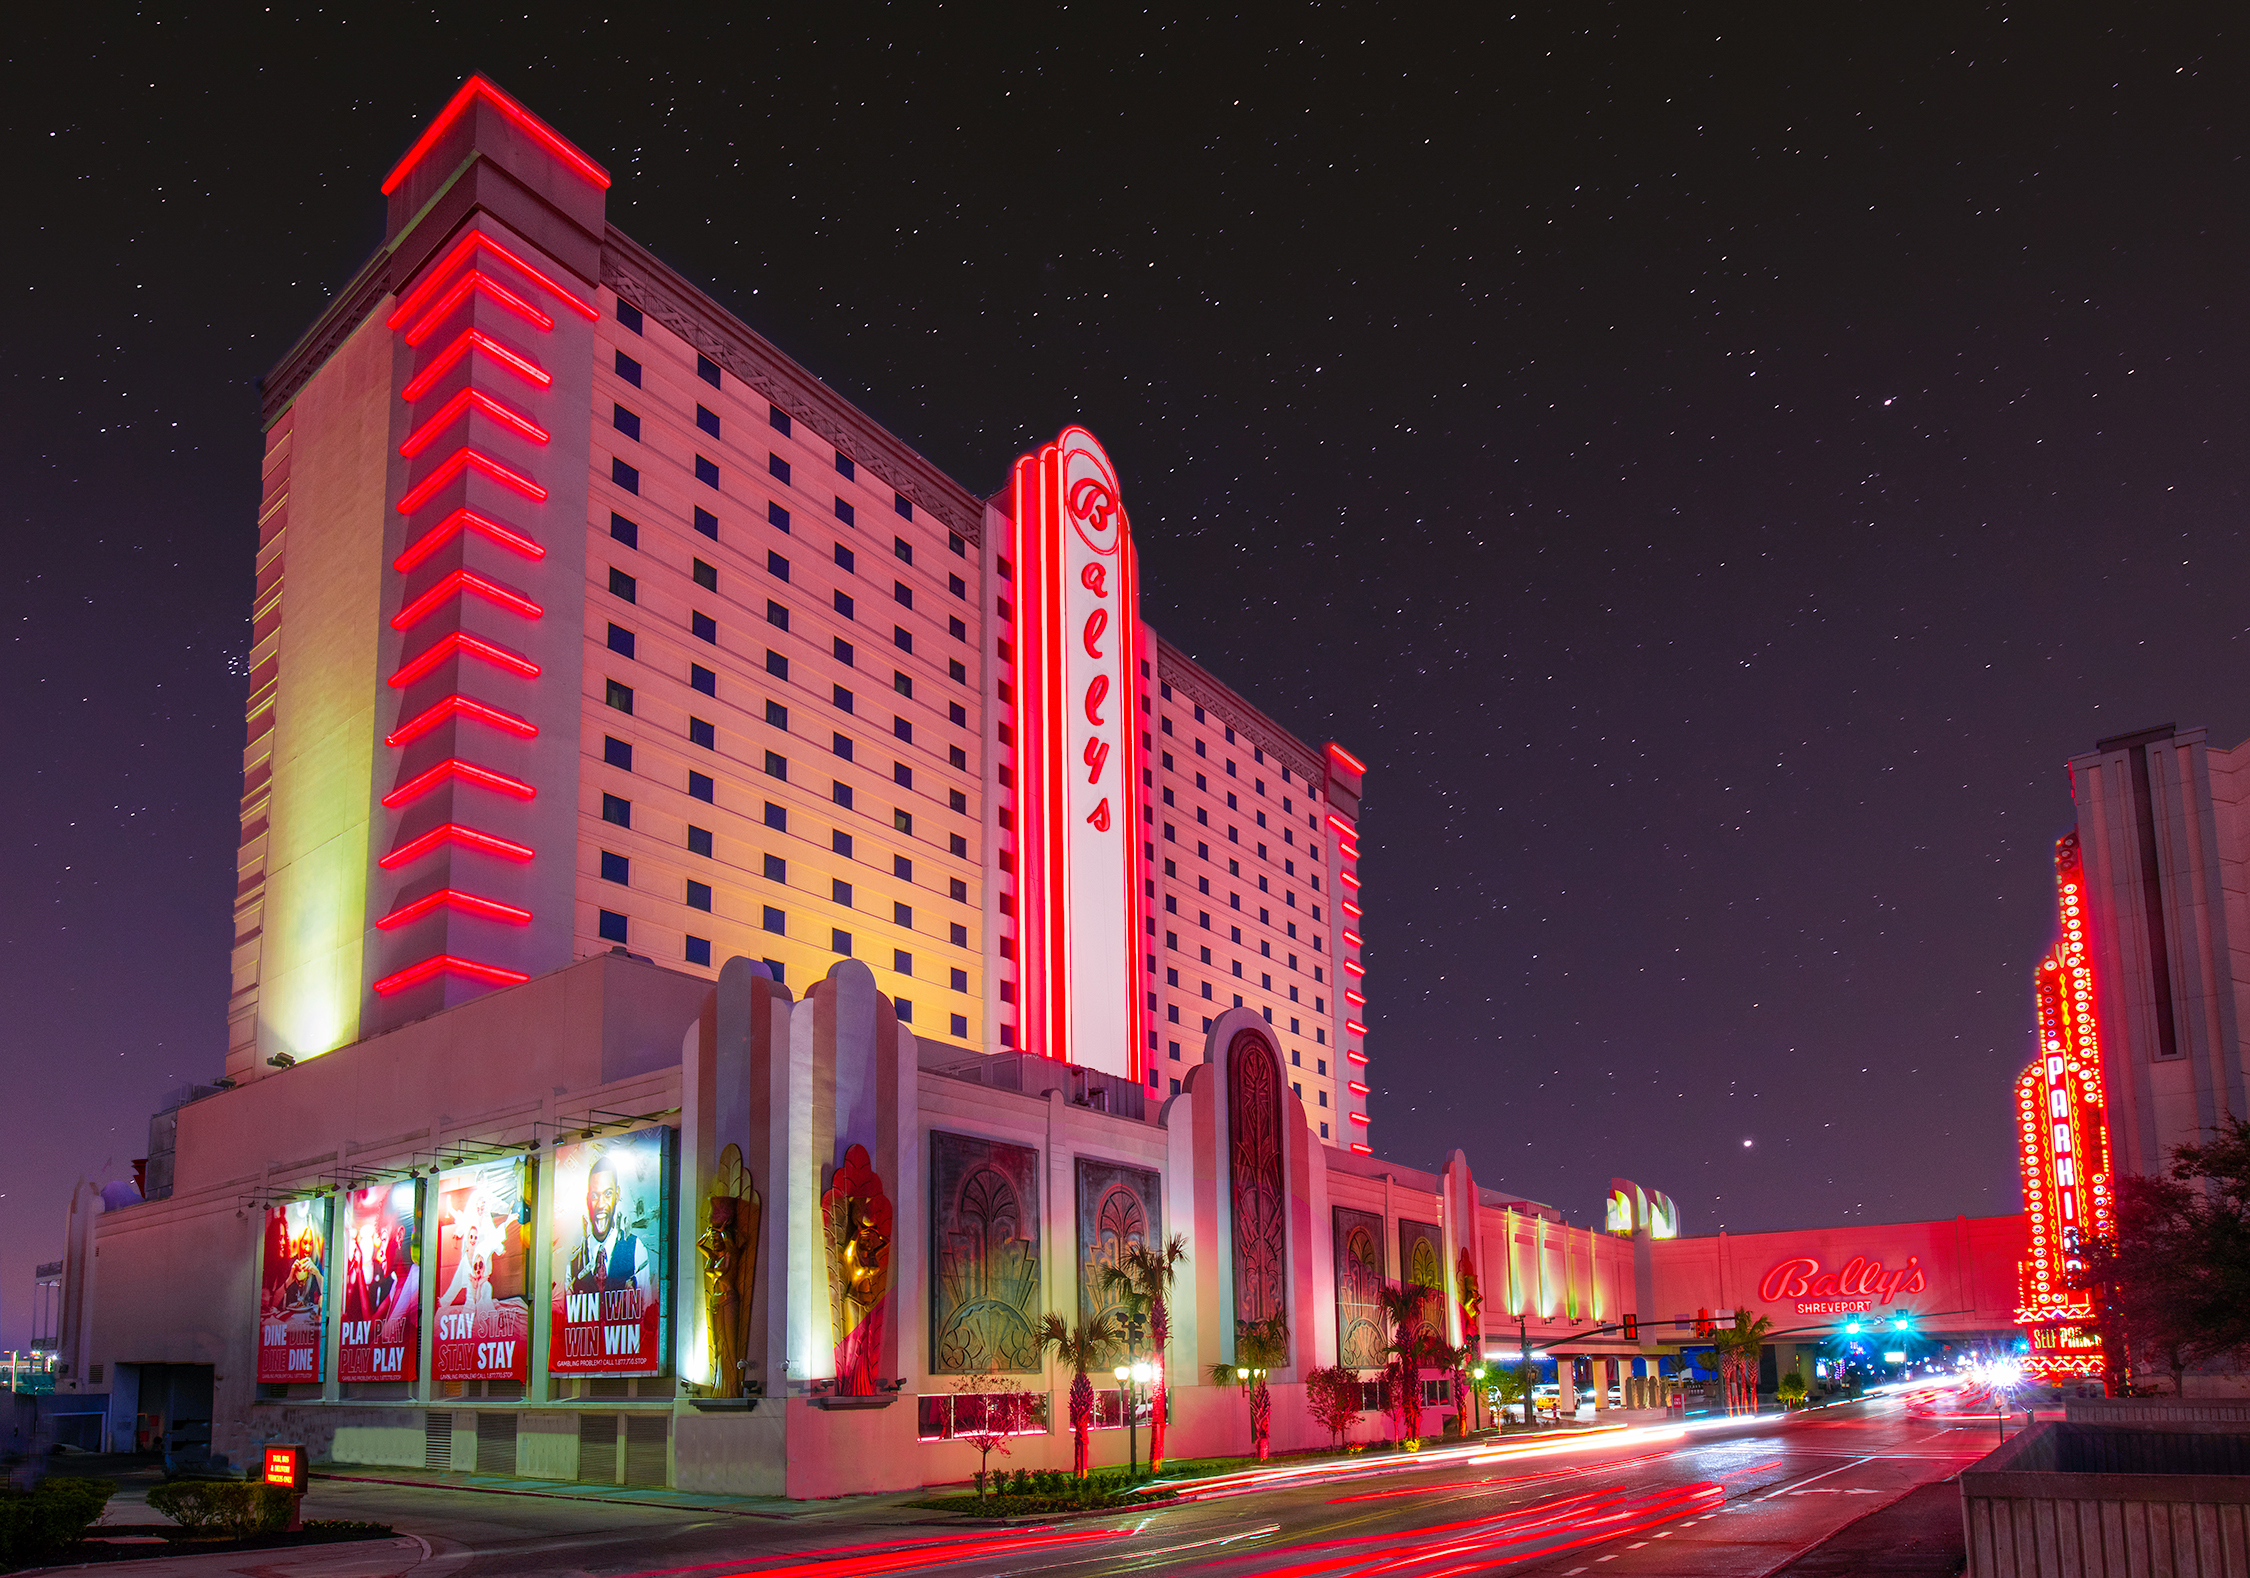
(1077, 790)
(2063, 1135)
(1860, 1288)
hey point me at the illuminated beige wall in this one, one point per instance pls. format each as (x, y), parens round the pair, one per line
(324, 706)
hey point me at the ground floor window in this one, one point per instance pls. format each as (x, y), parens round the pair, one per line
(944, 1415)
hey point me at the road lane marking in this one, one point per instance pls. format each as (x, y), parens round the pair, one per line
(1787, 1489)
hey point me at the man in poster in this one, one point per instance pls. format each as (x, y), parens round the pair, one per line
(611, 1206)
(608, 1255)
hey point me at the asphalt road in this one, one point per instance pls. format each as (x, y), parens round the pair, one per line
(1724, 1499)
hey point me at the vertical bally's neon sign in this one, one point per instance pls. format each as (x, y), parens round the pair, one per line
(1077, 624)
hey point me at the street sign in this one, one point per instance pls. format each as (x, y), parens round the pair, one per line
(285, 1466)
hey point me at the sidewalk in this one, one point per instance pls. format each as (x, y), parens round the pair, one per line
(770, 1507)
(1917, 1536)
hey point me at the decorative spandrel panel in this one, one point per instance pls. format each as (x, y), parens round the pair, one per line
(984, 1254)
(1254, 1169)
(1117, 1209)
(1359, 1276)
(1421, 1255)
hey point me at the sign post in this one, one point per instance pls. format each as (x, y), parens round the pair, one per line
(284, 1468)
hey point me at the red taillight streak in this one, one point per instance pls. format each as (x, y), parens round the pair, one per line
(462, 460)
(443, 270)
(457, 582)
(1353, 1027)
(465, 520)
(453, 767)
(422, 437)
(453, 898)
(475, 280)
(473, 646)
(529, 124)
(1355, 1087)
(465, 707)
(476, 340)
(454, 833)
(448, 964)
(1348, 759)
(1357, 1057)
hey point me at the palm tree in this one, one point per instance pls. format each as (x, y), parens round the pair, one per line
(1082, 1347)
(1402, 1305)
(1259, 1347)
(1737, 1348)
(1144, 1276)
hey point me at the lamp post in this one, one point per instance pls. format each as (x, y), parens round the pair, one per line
(1523, 1347)
(1476, 1397)
(1124, 1374)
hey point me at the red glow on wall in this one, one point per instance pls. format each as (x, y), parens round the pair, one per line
(468, 772)
(1356, 1117)
(469, 399)
(459, 581)
(1347, 758)
(435, 276)
(465, 520)
(1346, 849)
(1362, 1150)
(478, 87)
(470, 646)
(460, 707)
(1349, 879)
(476, 340)
(454, 833)
(1340, 825)
(466, 459)
(447, 964)
(453, 898)
(1356, 1056)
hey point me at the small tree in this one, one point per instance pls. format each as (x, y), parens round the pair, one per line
(1082, 1347)
(1737, 1348)
(1510, 1387)
(1259, 1347)
(1791, 1389)
(1146, 1274)
(1332, 1395)
(996, 1408)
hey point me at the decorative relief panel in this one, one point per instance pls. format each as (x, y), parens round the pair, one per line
(1359, 1277)
(1254, 1167)
(1421, 1255)
(984, 1254)
(1117, 1209)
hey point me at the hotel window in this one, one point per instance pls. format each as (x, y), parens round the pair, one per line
(903, 504)
(626, 477)
(628, 369)
(629, 316)
(840, 942)
(621, 641)
(1324, 1098)
(841, 793)
(616, 868)
(961, 1026)
(701, 731)
(843, 699)
(902, 594)
(776, 566)
(707, 419)
(623, 586)
(699, 785)
(960, 891)
(778, 467)
(845, 512)
(844, 604)
(776, 664)
(844, 466)
(960, 845)
(698, 895)
(901, 774)
(902, 962)
(777, 817)
(902, 638)
(902, 867)
(618, 696)
(777, 516)
(617, 810)
(1324, 1131)
(777, 766)
(703, 679)
(707, 370)
(960, 980)
(777, 715)
(841, 843)
(612, 926)
(775, 922)
(626, 422)
(706, 472)
(617, 752)
(840, 891)
(777, 419)
(841, 745)
(903, 683)
(957, 586)
(699, 841)
(625, 531)
(703, 627)
(1324, 1065)
(708, 523)
(776, 615)
(960, 934)
(707, 575)
(699, 950)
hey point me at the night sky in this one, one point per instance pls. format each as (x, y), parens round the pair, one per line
(1714, 472)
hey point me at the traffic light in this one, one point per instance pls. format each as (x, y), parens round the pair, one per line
(1703, 1324)
(1632, 1328)
(1852, 1326)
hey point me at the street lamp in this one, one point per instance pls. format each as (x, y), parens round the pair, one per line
(1475, 1397)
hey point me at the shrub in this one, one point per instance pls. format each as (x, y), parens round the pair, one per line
(50, 1518)
(237, 1508)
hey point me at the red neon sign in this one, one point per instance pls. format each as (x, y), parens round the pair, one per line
(462, 460)
(469, 399)
(453, 898)
(463, 581)
(454, 833)
(1347, 758)
(422, 783)
(1862, 1285)
(1356, 1056)
(462, 520)
(474, 241)
(448, 964)
(468, 645)
(478, 87)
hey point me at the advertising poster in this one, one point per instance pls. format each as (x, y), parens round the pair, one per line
(293, 1292)
(380, 1317)
(611, 1213)
(484, 1273)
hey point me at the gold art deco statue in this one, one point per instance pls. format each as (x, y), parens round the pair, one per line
(730, 1272)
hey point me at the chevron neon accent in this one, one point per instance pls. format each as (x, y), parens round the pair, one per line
(457, 582)
(447, 964)
(460, 707)
(481, 87)
(454, 833)
(472, 646)
(469, 399)
(466, 459)
(466, 520)
(468, 772)
(453, 898)
(476, 340)
(478, 241)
